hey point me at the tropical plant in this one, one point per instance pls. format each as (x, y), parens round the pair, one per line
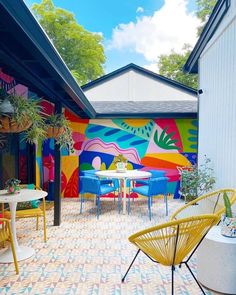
(196, 181)
(64, 138)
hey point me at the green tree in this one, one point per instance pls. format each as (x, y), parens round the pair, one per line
(81, 50)
(171, 66)
(205, 8)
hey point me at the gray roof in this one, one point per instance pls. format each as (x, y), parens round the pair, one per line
(148, 108)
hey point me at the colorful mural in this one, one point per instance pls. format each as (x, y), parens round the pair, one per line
(161, 144)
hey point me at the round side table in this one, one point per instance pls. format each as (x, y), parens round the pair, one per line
(216, 262)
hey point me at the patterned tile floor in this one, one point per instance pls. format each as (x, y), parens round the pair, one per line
(86, 256)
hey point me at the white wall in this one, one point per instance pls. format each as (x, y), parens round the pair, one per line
(217, 113)
(134, 86)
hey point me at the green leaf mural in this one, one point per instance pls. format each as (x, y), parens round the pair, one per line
(188, 131)
(165, 141)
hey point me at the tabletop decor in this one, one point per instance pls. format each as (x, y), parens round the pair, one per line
(121, 163)
(228, 220)
(12, 186)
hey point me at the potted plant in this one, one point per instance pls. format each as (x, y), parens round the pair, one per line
(196, 181)
(228, 220)
(19, 114)
(58, 128)
(121, 163)
(12, 186)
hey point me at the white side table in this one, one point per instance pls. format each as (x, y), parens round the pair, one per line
(216, 262)
(22, 252)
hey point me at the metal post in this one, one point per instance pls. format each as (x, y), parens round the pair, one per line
(57, 177)
(31, 163)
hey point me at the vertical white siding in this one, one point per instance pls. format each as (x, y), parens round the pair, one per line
(217, 113)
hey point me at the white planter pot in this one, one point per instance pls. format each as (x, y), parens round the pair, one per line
(121, 167)
(228, 226)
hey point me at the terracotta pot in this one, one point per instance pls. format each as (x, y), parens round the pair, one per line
(54, 132)
(9, 125)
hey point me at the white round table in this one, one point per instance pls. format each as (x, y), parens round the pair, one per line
(216, 262)
(22, 252)
(123, 176)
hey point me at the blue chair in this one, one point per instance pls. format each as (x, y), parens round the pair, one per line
(156, 186)
(155, 174)
(94, 186)
(92, 173)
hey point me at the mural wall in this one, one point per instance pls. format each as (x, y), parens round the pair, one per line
(161, 144)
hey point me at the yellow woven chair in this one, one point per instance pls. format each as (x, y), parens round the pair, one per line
(6, 235)
(29, 213)
(170, 243)
(211, 203)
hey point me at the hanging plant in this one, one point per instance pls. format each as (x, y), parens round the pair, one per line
(58, 128)
(19, 114)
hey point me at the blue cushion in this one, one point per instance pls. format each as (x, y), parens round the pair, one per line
(105, 189)
(142, 190)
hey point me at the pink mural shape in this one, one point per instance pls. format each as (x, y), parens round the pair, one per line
(49, 163)
(97, 144)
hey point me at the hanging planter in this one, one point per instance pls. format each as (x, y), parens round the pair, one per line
(58, 128)
(19, 114)
(54, 132)
(9, 125)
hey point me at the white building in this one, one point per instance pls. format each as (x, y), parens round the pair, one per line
(214, 58)
(133, 91)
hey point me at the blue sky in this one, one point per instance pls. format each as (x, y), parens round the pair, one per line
(135, 31)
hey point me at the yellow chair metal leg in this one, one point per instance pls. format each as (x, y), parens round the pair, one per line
(44, 221)
(13, 250)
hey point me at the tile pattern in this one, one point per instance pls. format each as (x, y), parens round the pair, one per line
(86, 256)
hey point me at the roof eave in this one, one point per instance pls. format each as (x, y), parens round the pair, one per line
(146, 115)
(220, 9)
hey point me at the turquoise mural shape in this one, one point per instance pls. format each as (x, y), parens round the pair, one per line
(144, 131)
(123, 139)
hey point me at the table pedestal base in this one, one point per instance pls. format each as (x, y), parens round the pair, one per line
(22, 253)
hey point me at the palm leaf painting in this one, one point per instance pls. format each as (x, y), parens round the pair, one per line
(165, 140)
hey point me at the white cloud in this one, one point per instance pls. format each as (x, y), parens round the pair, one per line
(170, 27)
(152, 67)
(140, 9)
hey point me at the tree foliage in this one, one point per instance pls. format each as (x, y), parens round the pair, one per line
(205, 8)
(81, 50)
(171, 66)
